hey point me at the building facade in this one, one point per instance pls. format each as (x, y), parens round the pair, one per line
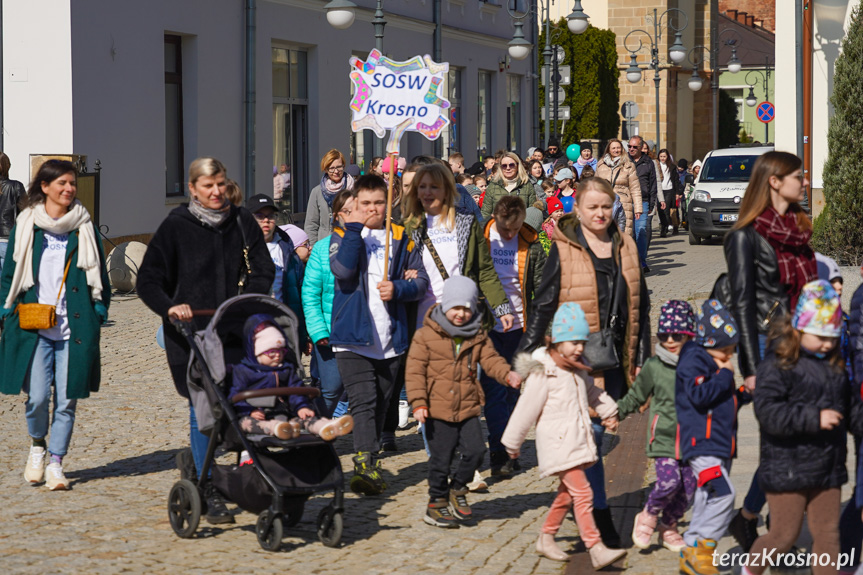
(146, 87)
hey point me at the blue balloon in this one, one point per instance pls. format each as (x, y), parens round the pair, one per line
(160, 336)
(567, 202)
(573, 151)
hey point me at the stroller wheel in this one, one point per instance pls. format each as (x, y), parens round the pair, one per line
(330, 526)
(269, 536)
(184, 508)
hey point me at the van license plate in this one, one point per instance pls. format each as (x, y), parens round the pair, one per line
(727, 217)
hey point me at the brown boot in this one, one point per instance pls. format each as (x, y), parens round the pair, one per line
(286, 430)
(329, 429)
(601, 556)
(698, 560)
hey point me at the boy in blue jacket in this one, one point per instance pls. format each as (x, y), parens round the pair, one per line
(707, 403)
(369, 322)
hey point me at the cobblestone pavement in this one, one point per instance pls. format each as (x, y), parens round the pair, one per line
(121, 464)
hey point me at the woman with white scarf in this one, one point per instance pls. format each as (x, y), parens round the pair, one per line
(616, 168)
(55, 259)
(319, 212)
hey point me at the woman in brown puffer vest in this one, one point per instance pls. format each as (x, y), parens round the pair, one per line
(615, 168)
(590, 259)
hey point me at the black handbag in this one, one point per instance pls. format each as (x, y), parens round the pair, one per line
(600, 351)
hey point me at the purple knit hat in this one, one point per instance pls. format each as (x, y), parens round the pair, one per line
(676, 316)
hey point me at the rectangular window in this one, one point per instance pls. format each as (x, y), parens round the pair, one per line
(452, 135)
(174, 161)
(290, 131)
(484, 115)
(513, 117)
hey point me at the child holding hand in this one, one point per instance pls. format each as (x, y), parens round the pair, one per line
(556, 397)
(675, 482)
(803, 405)
(446, 396)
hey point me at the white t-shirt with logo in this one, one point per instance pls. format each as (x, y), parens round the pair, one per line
(445, 243)
(382, 347)
(279, 261)
(51, 268)
(504, 254)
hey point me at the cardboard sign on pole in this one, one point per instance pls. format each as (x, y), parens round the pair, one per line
(398, 97)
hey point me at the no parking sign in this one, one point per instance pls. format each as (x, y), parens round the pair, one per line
(765, 111)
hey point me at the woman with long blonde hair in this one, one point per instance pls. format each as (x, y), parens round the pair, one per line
(512, 180)
(615, 168)
(451, 242)
(769, 261)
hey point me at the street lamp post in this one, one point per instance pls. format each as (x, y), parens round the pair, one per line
(751, 100)
(676, 53)
(734, 66)
(340, 15)
(519, 48)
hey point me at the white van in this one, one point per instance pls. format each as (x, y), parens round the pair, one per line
(714, 205)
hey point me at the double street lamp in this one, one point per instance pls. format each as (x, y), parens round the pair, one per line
(677, 53)
(519, 48)
(340, 15)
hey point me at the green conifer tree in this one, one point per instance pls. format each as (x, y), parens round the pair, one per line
(839, 228)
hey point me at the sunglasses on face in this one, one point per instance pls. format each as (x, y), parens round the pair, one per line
(552, 150)
(675, 337)
(336, 170)
(507, 166)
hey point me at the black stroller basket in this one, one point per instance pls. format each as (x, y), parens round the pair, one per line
(283, 473)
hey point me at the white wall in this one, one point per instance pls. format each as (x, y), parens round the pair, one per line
(831, 25)
(37, 83)
(786, 74)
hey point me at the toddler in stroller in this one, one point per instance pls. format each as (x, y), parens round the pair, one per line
(267, 365)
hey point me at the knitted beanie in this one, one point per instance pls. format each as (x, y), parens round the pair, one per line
(459, 291)
(267, 339)
(534, 219)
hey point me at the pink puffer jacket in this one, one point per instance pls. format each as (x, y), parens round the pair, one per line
(556, 400)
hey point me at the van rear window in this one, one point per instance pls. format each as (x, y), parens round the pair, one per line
(727, 169)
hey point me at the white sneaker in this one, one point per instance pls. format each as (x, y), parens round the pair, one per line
(35, 470)
(478, 483)
(54, 478)
(404, 412)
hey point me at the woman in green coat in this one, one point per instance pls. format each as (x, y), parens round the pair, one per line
(512, 181)
(54, 258)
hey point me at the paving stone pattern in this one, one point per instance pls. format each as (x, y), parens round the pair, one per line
(121, 464)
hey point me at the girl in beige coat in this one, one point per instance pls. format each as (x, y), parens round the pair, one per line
(556, 397)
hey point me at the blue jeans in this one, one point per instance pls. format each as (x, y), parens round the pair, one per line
(50, 364)
(755, 498)
(500, 399)
(198, 441)
(641, 226)
(331, 380)
(3, 245)
(596, 472)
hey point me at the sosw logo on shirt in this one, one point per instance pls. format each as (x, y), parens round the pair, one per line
(503, 256)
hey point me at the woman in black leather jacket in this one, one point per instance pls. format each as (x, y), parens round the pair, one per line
(769, 260)
(11, 192)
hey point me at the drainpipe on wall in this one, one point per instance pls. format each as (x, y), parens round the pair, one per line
(798, 53)
(249, 102)
(438, 24)
(534, 74)
(806, 86)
